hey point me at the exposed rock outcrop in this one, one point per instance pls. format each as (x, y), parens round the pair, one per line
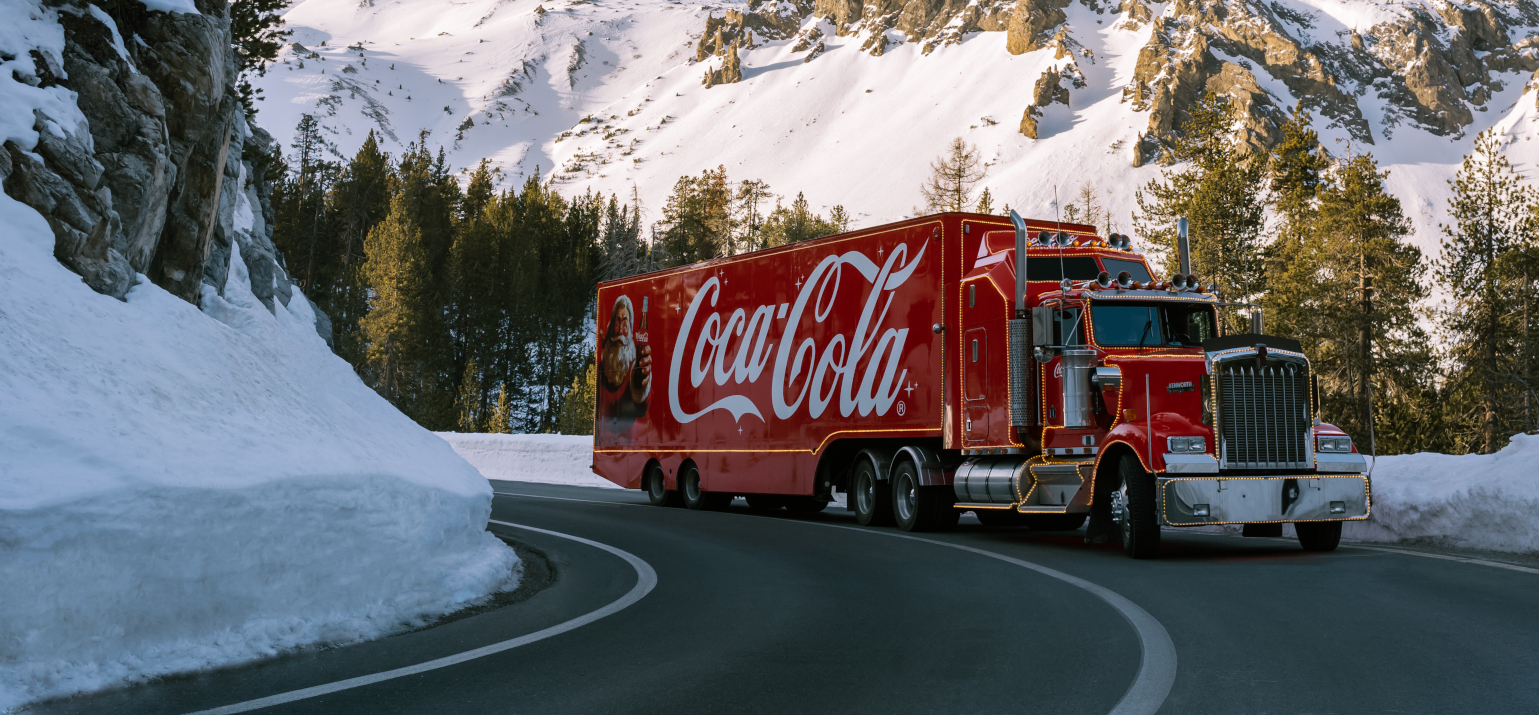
(1032, 23)
(1053, 87)
(1435, 63)
(731, 69)
(165, 173)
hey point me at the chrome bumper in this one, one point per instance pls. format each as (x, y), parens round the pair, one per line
(1193, 501)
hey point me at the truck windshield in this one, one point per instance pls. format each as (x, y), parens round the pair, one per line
(1151, 324)
(1134, 268)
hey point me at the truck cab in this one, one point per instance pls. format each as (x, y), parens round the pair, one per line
(1145, 415)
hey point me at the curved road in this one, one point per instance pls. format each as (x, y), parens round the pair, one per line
(781, 614)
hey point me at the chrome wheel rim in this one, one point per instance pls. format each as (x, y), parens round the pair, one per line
(692, 486)
(906, 498)
(864, 496)
(1120, 512)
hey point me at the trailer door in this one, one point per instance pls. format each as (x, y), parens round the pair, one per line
(975, 370)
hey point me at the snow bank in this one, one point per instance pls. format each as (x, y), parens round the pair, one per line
(546, 458)
(181, 490)
(184, 489)
(1488, 502)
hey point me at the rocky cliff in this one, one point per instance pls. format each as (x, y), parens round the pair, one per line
(165, 172)
(1433, 63)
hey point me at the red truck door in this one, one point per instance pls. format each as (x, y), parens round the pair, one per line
(975, 371)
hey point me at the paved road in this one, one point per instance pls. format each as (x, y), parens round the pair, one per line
(785, 614)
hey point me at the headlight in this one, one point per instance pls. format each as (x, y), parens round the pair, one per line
(1187, 445)
(1334, 444)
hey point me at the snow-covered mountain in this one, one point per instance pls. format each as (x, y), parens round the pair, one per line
(849, 101)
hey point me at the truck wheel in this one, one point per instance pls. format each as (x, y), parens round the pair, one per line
(657, 489)
(1319, 535)
(873, 499)
(1055, 522)
(914, 507)
(697, 498)
(1140, 523)
(764, 503)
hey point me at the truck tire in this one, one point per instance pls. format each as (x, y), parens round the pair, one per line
(1140, 523)
(1054, 522)
(873, 498)
(915, 507)
(657, 488)
(697, 498)
(1319, 535)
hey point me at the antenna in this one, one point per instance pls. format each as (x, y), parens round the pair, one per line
(1063, 273)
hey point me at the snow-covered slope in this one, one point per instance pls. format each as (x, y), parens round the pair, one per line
(544, 458)
(609, 92)
(183, 488)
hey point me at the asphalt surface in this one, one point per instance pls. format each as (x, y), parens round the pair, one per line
(776, 614)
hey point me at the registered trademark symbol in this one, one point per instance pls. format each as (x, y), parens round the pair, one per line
(901, 408)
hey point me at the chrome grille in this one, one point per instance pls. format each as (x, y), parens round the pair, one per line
(1263, 415)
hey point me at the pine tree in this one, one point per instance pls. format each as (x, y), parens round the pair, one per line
(952, 178)
(985, 202)
(299, 206)
(750, 195)
(256, 31)
(500, 422)
(358, 200)
(1089, 206)
(797, 223)
(577, 409)
(394, 331)
(1220, 191)
(839, 219)
(697, 220)
(1295, 169)
(468, 404)
(623, 252)
(1370, 350)
(1489, 208)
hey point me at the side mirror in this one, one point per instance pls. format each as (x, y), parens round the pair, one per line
(1042, 326)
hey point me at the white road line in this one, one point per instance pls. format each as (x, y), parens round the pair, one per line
(1157, 663)
(1443, 557)
(646, 580)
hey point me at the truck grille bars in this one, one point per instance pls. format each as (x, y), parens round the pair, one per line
(1263, 416)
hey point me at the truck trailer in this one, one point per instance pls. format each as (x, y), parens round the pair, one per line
(1031, 372)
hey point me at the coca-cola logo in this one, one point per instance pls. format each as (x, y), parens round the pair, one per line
(860, 369)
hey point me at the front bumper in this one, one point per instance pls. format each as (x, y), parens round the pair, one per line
(1256, 500)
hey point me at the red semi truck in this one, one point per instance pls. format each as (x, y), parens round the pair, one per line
(917, 370)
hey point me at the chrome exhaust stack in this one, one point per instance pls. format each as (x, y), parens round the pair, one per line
(1183, 246)
(1020, 335)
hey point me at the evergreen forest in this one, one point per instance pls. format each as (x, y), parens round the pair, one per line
(470, 308)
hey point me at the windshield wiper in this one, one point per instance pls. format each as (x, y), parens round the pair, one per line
(1147, 324)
